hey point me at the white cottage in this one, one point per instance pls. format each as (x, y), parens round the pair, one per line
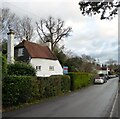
(103, 70)
(40, 57)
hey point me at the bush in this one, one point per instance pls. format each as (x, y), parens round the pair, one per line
(53, 85)
(17, 89)
(22, 89)
(79, 80)
(21, 69)
(65, 83)
(4, 66)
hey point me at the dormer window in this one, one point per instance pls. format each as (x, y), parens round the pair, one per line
(20, 52)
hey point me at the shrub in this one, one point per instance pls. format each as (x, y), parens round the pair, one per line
(21, 69)
(65, 83)
(79, 80)
(53, 85)
(4, 66)
(22, 89)
(17, 89)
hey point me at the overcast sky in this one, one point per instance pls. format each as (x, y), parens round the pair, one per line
(90, 36)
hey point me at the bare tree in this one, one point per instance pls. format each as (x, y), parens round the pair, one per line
(7, 18)
(87, 58)
(52, 30)
(111, 62)
(24, 28)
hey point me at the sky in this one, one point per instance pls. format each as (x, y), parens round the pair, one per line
(90, 35)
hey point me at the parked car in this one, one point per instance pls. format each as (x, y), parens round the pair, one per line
(100, 79)
(107, 77)
(112, 76)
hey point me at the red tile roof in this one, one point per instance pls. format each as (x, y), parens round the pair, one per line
(102, 68)
(36, 50)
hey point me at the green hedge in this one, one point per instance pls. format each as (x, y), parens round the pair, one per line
(17, 89)
(53, 85)
(79, 80)
(65, 83)
(22, 89)
(3, 66)
(21, 69)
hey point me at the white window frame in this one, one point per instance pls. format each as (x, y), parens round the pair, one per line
(20, 51)
(51, 68)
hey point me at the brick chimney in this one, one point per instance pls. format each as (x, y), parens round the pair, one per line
(10, 47)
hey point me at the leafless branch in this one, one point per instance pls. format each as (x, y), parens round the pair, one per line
(52, 30)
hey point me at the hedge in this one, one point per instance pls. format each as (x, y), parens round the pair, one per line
(22, 89)
(17, 89)
(53, 85)
(4, 66)
(21, 69)
(80, 79)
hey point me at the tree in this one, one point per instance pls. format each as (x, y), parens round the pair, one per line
(111, 62)
(102, 7)
(24, 28)
(7, 18)
(87, 58)
(88, 64)
(74, 64)
(118, 70)
(61, 56)
(52, 30)
(87, 67)
(4, 47)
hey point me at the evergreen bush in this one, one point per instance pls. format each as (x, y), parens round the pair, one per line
(21, 69)
(3, 66)
(80, 79)
(17, 89)
(53, 85)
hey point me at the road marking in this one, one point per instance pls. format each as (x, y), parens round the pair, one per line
(111, 113)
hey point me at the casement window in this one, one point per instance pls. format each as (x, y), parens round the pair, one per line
(38, 68)
(51, 68)
(20, 51)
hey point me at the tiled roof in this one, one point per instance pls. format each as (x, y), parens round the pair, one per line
(36, 50)
(101, 68)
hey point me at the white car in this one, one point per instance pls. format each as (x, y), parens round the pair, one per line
(99, 80)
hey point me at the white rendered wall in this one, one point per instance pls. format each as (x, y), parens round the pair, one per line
(102, 72)
(45, 63)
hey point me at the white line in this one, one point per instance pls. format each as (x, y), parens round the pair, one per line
(111, 113)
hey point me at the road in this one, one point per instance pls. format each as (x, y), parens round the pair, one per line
(93, 101)
(116, 105)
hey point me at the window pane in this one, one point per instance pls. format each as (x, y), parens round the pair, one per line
(20, 52)
(38, 67)
(51, 68)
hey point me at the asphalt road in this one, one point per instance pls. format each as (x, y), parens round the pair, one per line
(116, 105)
(93, 101)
